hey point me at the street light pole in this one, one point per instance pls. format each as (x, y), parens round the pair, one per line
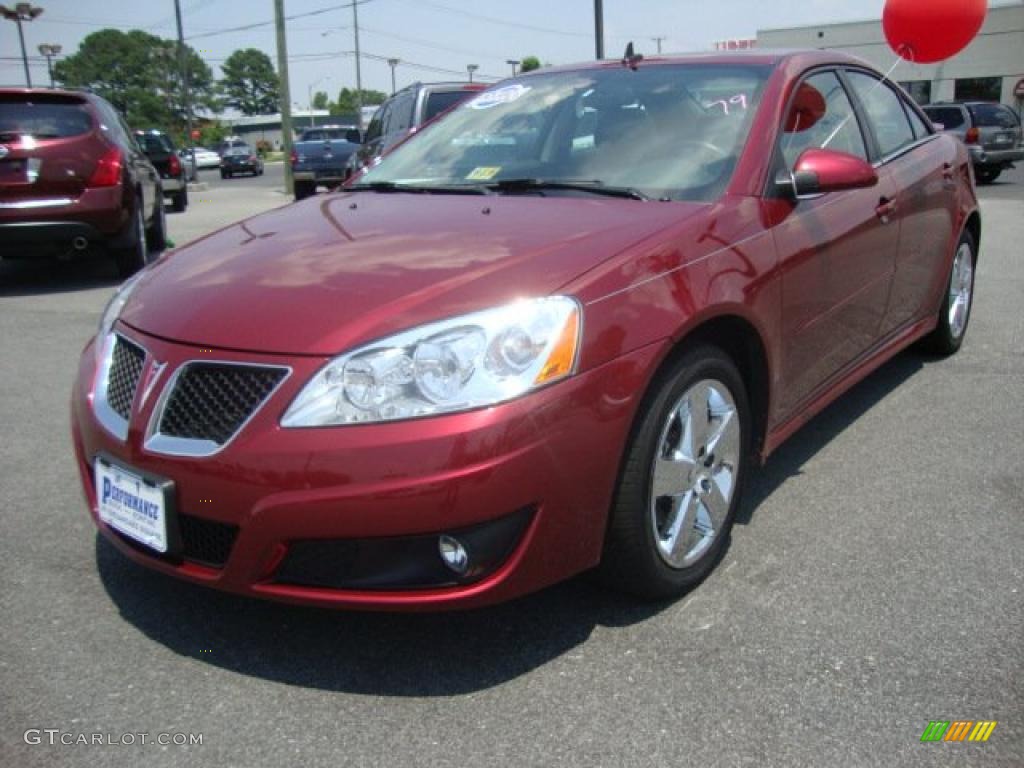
(285, 95)
(22, 12)
(393, 63)
(599, 28)
(186, 97)
(658, 40)
(515, 65)
(49, 50)
(359, 77)
(471, 68)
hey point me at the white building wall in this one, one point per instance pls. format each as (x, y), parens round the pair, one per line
(997, 51)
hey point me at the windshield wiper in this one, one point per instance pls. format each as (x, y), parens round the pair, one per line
(593, 186)
(427, 189)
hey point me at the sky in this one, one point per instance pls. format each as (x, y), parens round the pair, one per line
(435, 39)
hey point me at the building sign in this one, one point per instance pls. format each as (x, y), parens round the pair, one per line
(735, 45)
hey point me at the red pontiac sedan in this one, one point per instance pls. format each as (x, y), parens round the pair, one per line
(554, 331)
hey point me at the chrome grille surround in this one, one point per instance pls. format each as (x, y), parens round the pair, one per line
(118, 379)
(207, 403)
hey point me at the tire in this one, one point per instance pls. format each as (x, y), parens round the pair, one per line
(304, 189)
(180, 201)
(987, 175)
(132, 254)
(955, 311)
(156, 235)
(223, 174)
(699, 464)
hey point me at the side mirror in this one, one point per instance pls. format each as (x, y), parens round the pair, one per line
(818, 171)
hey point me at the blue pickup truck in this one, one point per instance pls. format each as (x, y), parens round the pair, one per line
(320, 157)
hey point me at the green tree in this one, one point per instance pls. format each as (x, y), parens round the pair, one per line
(346, 103)
(139, 74)
(321, 100)
(529, 64)
(250, 83)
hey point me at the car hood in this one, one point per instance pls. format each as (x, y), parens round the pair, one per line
(321, 276)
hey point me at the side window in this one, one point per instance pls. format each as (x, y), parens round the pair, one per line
(375, 129)
(920, 129)
(885, 112)
(948, 117)
(401, 113)
(821, 117)
(385, 118)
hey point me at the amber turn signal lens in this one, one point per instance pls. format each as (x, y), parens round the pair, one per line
(563, 355)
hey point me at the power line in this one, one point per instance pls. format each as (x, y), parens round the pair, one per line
(256, 25)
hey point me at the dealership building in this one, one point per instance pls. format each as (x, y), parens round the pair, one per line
(991, 68)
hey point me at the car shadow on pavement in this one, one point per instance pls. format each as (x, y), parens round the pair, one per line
(440, 654)
(31, 277)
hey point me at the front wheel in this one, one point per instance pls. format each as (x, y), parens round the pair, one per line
(682, 479)
(955, 312)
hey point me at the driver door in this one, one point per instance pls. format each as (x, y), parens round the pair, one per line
(837, 251)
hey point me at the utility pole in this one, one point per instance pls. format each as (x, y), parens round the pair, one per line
(471, 68)
(599, 28)
(359, 77)
(22, 12)
(186, 97)
(286, 98)
(658, 40)
(393, 63)
(49, 50)
(515, 65)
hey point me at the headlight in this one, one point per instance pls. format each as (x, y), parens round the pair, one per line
(113, 310)
(454, 365)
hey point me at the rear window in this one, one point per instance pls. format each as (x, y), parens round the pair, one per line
(43, 119)
(154, 143)
(992, 115)
(440, 101)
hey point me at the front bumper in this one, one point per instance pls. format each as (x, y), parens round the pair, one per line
(551, 458)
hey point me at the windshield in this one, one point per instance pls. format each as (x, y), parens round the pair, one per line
(666, 131)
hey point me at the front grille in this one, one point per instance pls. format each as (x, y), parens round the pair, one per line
(206, 541)
(125, 369)
(211, 401)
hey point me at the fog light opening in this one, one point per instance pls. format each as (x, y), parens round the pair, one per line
(454, 555)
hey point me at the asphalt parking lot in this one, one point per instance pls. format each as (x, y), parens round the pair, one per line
(873, 584)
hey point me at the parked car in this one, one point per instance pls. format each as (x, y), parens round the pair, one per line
(991, 131)
(487, 366)
(405, 113)
(205, 158)
(320, 157)
(174, 174)
(240, 160)
(72, 176)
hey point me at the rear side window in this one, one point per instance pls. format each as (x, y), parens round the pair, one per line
(821, 117)
(43, 118)
(947, 117)
(992, 115)
(885, 112)
(920, 129)
(442, 101)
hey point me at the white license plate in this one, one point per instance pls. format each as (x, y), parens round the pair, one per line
(131, 504)
(1002, 139)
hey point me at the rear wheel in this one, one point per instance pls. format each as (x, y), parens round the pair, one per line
(304, 189)
(132, 253)
(179, 200)
(224, 174)
(682, 478)
(156, 235)
(955, 312)
(987, 175)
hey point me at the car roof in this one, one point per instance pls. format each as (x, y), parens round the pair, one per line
(801, 58)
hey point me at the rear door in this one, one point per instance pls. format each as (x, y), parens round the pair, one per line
(924, 173)
(836, 250)
(48, 146)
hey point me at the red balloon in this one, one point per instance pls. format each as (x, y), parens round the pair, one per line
(926, 31)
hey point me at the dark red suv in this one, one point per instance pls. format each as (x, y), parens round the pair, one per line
(72, 176)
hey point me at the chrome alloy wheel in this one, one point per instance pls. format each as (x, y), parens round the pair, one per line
(694, 475)
(960, 286)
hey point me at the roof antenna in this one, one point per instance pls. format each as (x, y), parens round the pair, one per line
(632, 59)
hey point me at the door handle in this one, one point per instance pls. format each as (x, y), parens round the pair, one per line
(885, 209)
(948, 174)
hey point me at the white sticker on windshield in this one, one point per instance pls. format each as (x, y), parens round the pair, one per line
(505, 95)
